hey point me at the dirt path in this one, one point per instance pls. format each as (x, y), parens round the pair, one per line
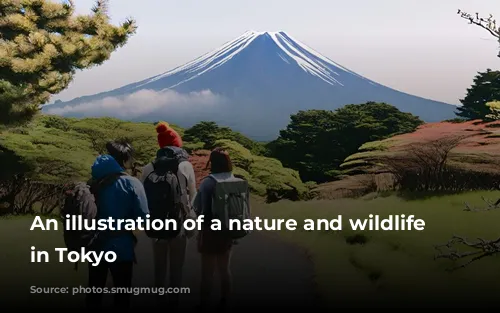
(266, 273)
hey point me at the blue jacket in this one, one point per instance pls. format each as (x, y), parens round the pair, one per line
(124, 199)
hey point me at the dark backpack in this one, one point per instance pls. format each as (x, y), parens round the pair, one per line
(164, 194)
(81, 199)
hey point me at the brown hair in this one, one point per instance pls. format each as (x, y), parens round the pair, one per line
(219, 161)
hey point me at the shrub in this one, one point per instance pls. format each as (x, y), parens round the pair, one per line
(209, 132)
(190, 147)
(267, 177)
(56, 122)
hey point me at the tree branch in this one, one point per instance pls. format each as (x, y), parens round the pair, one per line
(490, 206)
(487, 23)
(483, 249)
(101, 7)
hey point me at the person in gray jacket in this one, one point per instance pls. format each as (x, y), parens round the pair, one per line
(214, 247)
(172, 251)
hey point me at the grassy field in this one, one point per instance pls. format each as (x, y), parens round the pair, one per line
(19, 273)
(391, 266)
(396, 266)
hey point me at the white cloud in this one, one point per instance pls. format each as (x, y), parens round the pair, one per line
(144, 102)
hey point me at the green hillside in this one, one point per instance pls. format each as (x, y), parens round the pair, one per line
(52, 150)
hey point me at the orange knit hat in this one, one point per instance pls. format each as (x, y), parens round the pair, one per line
(167, 136)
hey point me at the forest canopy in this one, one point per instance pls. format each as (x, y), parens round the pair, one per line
(316, 142)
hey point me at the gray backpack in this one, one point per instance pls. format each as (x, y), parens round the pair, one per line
(231, 201)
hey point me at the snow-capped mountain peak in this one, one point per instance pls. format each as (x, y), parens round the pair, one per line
(258, 80)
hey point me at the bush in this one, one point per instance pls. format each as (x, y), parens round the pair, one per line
(56, 122)
(60, 149)
(456, 120)
(267, 177)
(193, 146)
(210, 132)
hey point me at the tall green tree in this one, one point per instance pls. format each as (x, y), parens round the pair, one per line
(485, 88)
(316, 142)
(43, 43)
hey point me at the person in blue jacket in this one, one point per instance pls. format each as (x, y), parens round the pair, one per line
(122, 198)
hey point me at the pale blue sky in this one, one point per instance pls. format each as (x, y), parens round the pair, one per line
(417, 46)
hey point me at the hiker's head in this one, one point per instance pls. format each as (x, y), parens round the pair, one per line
(219, 161)
(122, 152)
(167, 136)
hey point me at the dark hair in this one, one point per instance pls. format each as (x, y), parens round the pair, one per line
(121, 151)
(219, 161)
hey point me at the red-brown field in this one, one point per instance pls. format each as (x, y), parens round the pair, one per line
(478, 150)
(199, 160)
(481, 137)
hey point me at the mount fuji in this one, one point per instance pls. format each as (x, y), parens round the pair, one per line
(251, 84)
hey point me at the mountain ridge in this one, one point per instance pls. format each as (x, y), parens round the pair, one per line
(264, 78)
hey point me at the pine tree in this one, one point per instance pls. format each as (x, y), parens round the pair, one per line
(485, 89)
(43, 43)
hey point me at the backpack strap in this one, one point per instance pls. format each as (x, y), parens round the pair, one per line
(212, 177)
(154, 168)
(154, 165)
(97, 187)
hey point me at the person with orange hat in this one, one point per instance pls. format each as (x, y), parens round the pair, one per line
(172, 248)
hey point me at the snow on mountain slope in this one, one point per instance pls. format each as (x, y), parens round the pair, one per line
(309, 60)
(314, 64)
(263, 77)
